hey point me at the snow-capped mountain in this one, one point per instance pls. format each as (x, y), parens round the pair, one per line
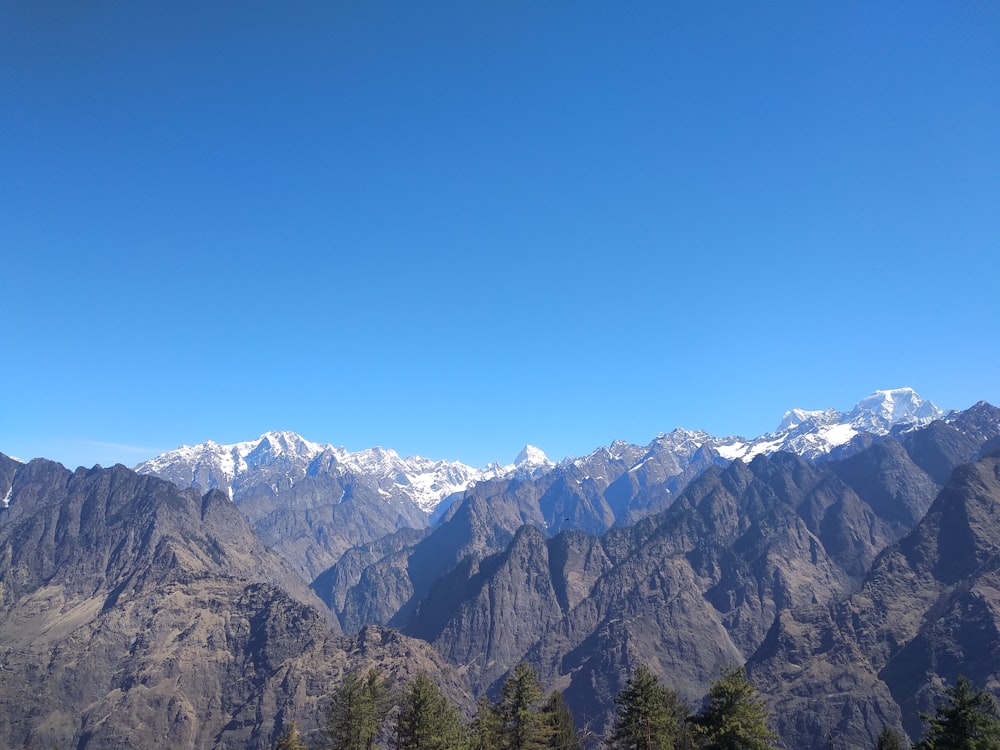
(531, 460)
(280, 459)
(311, 502)
(814, 433)
(809, 433)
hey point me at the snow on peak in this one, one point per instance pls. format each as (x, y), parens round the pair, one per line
(682, 440)
(532, 457)
(895, 406)
(373, 460)
(814, 433)
(286, 456)
(289, 442)
(282, 454)
(795, 417)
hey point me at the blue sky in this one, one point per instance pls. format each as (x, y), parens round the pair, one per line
(455, 228)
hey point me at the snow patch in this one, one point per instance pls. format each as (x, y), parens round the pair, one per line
(732, 451)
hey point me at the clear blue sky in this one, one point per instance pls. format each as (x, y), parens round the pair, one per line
(455, 228)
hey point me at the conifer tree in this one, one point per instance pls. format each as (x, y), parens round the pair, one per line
(648, 715)
(426, 719)
(735, 717)
(356, 712)
(522, 725)
(558, 717)
(484, 731)
(966, 720)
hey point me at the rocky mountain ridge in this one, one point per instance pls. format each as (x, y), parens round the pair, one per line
(425, 483)
(929, 611)
(278, 457)
(312, 502)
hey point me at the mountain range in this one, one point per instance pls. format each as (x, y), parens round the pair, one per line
(282, 457)
(848, 559)
(312, 502)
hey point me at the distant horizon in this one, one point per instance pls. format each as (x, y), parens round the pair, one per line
(124, 450)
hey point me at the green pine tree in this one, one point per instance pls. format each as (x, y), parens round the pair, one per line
(426, 719)
(558, 717)
(522, 725)
(735, 717)
(356, 712)
(966, 720)
(648, 715)
(484, 731)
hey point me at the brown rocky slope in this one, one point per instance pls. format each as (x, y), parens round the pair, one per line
(134, 614)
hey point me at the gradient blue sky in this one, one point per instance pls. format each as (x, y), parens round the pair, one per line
(455, 228)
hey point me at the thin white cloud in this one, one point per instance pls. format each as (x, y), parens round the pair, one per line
(138, 450)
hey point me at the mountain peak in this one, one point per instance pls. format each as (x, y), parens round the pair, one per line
(531, 457)
(794, 417)
(279, 443)
(894, 406)
(811, 433)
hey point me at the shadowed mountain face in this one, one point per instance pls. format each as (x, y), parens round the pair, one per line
(928, 612)
(317, 513)
(591, 494)
(313, 521)
(112, 529)
(134, 614)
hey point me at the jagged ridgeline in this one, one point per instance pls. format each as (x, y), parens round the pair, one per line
(846, 559)
(134, 614)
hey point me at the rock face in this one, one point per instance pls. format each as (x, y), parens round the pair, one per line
(134, 614)
(475, 614)
(312, 522)
(697, 587)
(112, 528)
(928, 612)
(591, 494)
